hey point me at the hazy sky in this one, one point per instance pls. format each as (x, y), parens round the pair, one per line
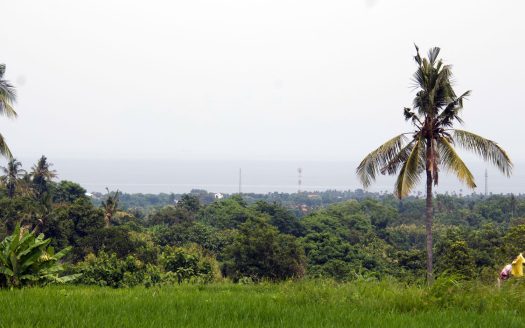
(244, 79)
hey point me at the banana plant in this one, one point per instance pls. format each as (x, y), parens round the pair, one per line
(28, 260)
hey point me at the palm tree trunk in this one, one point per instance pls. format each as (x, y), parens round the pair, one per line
(429, 214)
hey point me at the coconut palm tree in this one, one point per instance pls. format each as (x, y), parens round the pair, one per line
(13, 173)
(110, 206)
(7, 98)
(42, 173)
(431, 145)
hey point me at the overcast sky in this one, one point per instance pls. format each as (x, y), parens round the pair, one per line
(244, 79)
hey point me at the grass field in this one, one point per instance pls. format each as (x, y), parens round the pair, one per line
(291, 304)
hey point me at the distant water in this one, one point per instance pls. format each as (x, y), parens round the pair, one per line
(180, 176)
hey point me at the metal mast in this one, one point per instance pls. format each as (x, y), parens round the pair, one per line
(240, 181)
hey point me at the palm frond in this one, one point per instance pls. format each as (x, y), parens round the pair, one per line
(410, 173)
(373, 162)
(451, 161)
(452, 110)
(4, 149)
(7, 98)
(393, 165)
(488, 149)
(433, 54)
(417, 57)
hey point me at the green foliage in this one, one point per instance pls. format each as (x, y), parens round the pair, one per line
(259, 251)
(29, 260)
(112, 240)
(514, 241)
(280, 217)
(411, 264)
(227, 214)
(456, 258)
(371, 236)
(70, 224)
(340, 241)
(175, 265)
(188, 264)
(208, 237)
(190, 203)
(19, 209)
(67, 192)
(109, 270)
(406, 236)
(171, 215)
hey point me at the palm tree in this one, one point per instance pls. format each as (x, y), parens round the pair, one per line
(12, 175)
(42, 173)
(110, 206)
(431, 145)
(7, 98)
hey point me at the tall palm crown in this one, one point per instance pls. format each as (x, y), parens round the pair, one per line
(11, 176)
(431, 145)
(42, 174)
(7, 98)
(110, 206)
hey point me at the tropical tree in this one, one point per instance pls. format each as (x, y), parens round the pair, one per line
(42, 174)
(110, 206)
(431, 145)
(7, 98)
(12, 175)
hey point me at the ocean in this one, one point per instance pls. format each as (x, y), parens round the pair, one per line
(181, 176)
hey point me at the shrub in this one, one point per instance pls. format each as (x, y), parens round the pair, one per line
(109, 270)
(175, 265)
(191, 263)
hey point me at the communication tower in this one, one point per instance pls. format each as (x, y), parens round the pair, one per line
(240, 181)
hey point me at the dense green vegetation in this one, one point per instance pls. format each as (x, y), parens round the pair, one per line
(372, 236)
(291, 304)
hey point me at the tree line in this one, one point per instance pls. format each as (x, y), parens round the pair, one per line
(372, 237)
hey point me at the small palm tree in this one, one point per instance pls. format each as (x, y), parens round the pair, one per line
(431, 145)
(42, 174)
(13, 173)
(7, 99)
(110, 206)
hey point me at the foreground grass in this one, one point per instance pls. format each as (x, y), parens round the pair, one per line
(299, 304)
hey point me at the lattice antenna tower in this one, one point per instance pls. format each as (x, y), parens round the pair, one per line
(240, 181)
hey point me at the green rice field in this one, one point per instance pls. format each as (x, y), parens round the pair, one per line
(290, 304)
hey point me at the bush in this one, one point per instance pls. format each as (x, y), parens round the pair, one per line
(189, 264)
(175, 265)
(109, 270)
